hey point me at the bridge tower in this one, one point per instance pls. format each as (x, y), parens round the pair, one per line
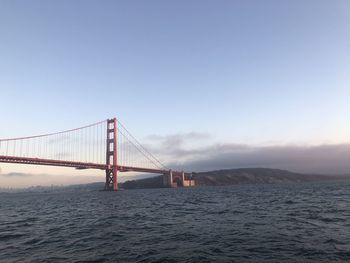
(111, 156)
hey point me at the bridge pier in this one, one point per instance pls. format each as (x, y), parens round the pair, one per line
(111, 180)
(168, 179)
(177, 179)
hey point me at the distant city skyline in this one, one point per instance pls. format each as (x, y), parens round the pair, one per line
(198, 81)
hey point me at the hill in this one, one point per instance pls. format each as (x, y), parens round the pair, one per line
(239, 176)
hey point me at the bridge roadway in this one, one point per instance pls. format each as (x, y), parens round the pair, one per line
(83, 166)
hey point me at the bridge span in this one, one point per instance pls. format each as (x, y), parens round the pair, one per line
(106, 145)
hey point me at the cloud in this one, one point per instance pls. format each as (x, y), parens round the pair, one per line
(176, 144)
(21, 180)
(328, 159)
(178, 139)
(187, 135)
(14, 174)
(179, 152)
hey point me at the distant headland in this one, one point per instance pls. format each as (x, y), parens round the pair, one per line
(238, 176)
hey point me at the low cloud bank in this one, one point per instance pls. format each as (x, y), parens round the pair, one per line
(15, 174)
(323, 159)
(23, 180)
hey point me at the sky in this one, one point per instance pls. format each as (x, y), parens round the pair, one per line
(203, 84)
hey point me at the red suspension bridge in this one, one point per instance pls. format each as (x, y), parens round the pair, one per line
(106, 145)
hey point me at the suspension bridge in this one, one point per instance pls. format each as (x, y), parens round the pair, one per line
(105, 145)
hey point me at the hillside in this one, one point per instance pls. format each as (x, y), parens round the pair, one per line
(238, 176)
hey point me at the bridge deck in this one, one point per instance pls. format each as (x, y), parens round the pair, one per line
(77, 165)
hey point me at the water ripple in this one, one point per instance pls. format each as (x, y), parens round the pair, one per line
(250, 223)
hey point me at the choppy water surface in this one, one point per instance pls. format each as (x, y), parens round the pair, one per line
(251, 223)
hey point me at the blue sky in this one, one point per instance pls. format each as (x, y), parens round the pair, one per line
(246, 72)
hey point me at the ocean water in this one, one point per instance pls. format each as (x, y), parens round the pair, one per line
(307, 222)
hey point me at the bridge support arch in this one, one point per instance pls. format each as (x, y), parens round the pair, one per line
(177, 179)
